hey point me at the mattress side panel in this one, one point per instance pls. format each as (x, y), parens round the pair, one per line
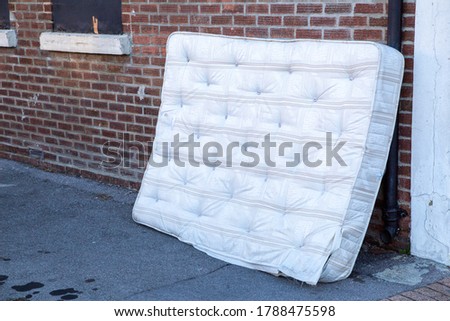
(365, 191)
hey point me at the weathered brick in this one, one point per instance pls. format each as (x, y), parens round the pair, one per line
(309, 8)
(269, 20)
(282, 32)
(295, 21)
(322, 21)
(278, 8)
(258, 8)
(352, 21)
(337, 34)
(445, 282)
(439, 287)
(168, 8)
(369, 8)
(368, 34)
(416, 296)
(378, 22)
(233, 8)
(244, 20)
(178, 19)
(333, 8)
(233, 31)
(309, 34)
(213, 8)
(189, 8)
(221, 20)
(257, 32)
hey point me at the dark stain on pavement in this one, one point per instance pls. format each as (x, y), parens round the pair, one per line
(27, 287)
(66, 294)
(3, 278)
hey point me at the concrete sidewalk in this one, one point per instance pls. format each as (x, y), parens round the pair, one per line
(68, 238)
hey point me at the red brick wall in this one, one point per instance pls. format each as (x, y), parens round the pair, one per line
(68, 105)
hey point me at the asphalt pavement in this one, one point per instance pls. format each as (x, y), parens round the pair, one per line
(70, 238)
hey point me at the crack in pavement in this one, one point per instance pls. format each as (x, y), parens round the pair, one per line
(177, 282)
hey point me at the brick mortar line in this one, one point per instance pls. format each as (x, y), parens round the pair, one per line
(57, 112)
(43, 92)
(75, 133)
(27, 91)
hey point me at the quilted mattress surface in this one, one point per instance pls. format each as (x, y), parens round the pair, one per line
(269, 153)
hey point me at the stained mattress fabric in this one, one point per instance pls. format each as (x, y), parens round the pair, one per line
(304, 219)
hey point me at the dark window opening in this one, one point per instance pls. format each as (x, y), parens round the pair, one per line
(88, 16)
(4, 15)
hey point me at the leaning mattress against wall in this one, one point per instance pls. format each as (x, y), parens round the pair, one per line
(304, 128)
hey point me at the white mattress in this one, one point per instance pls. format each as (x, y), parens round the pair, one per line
(305, 221)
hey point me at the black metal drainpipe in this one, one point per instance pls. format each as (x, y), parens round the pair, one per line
(392, 212)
